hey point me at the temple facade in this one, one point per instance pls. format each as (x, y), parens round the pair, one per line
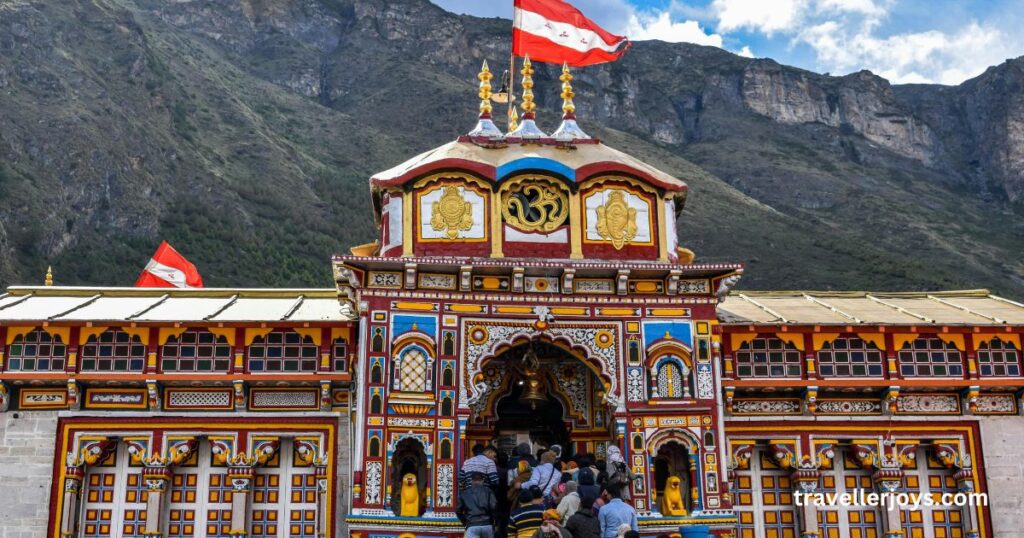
(524, 287)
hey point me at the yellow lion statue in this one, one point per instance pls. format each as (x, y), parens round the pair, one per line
(672, 500)
(410, 496)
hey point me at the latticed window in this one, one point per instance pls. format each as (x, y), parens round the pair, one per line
(767, 357)
(196, 351)
(671, 382)
(997, 358)
(283, 351)
(764, 501)
(339, 354)
(930, 479)
(853, 521)
(849, 357)
(199, 498)
(412, 370)
(37, 351)
(113, 351)
(930, 357)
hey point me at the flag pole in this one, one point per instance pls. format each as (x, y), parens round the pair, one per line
(512, 67)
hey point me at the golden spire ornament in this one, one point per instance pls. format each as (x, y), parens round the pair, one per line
(569, 130)
(48, 281)
(513, 120)
(485, 127)
(528, 129)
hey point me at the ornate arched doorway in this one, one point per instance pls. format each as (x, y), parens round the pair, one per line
(540, 393)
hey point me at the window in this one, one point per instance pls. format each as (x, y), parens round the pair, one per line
(850, 357)
(113, 351)
(339, 354)
(284, 498)
(853, 521)
(412, 370)
(283, 351)
(999, 359)
(671, 381)
(767, 357)
(930, 357)
(764, 501)
(930, 478)
(376, 372)
(196, 351)
(37, 351)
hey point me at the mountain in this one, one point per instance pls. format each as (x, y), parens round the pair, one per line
(244, 133)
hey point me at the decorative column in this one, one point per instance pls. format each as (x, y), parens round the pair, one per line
(965, 484)
(694, 464)
(805, 481)
(73, 475)
(240, 474)
(323, 507)
(156, 476)
(888, 481)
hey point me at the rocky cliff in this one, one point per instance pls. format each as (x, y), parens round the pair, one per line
(244, 131)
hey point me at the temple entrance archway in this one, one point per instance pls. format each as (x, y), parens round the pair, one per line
(540, 393)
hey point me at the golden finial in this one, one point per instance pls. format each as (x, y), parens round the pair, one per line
(485, 77)
(485, 127)
(528, 128)
(567, 94)
(568, 131)
(513, 120)
(49, 276)
(528, 105)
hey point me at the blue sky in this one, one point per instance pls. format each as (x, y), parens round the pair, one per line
(905, 41)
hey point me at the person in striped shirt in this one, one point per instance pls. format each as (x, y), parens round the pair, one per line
(526, 519)
(482, 462)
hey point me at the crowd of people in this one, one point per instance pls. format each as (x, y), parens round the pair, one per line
(544, 495)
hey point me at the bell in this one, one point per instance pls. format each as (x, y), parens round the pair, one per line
(533, 394)
(502, 96)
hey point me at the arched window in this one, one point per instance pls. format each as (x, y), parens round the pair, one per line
(449, 343)
(448, 376)
(930, 357)
(376, 372)
(283, 351)
(446, 449)
(37, 351)
(767, 357)
(376, 404)
(850, 357)
(196, 351)
(999, 359)
(412, 370)
(671, 382)
(113, 351)
(374, 446)
(378, 340)
(446, 407)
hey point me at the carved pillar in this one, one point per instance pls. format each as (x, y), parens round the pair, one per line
(805, 481)
(241, 477)
(965, 484)
(73, 475)
(888, 480)
(323, 506)
(694, 461)
(156, 477)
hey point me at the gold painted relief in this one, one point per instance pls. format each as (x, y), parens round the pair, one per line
(616, 221)
(452, 213)
(535, 206)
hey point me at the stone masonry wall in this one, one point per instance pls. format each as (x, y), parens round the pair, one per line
(344, 472)
(27, 441)
(1003, 441)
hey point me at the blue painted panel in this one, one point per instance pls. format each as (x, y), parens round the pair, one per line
(402, 323)
(536, 163)
(680, 330)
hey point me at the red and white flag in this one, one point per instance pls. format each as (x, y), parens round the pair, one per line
(169, 269)
(553, 31)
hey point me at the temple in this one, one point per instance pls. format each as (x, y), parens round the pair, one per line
(524, 287)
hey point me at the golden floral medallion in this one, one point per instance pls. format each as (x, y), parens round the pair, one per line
(451, 213)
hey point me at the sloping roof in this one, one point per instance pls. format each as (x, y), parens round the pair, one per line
(583, 160)
(970, 307)
(23, 304)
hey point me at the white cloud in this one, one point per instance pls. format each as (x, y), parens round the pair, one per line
(661, 26)
(932, 56)
(746, 52)
(768, 16)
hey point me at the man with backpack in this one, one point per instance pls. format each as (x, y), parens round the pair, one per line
(477, 507)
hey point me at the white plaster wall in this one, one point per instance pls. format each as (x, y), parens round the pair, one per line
(27, 441)
(1003, 441)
